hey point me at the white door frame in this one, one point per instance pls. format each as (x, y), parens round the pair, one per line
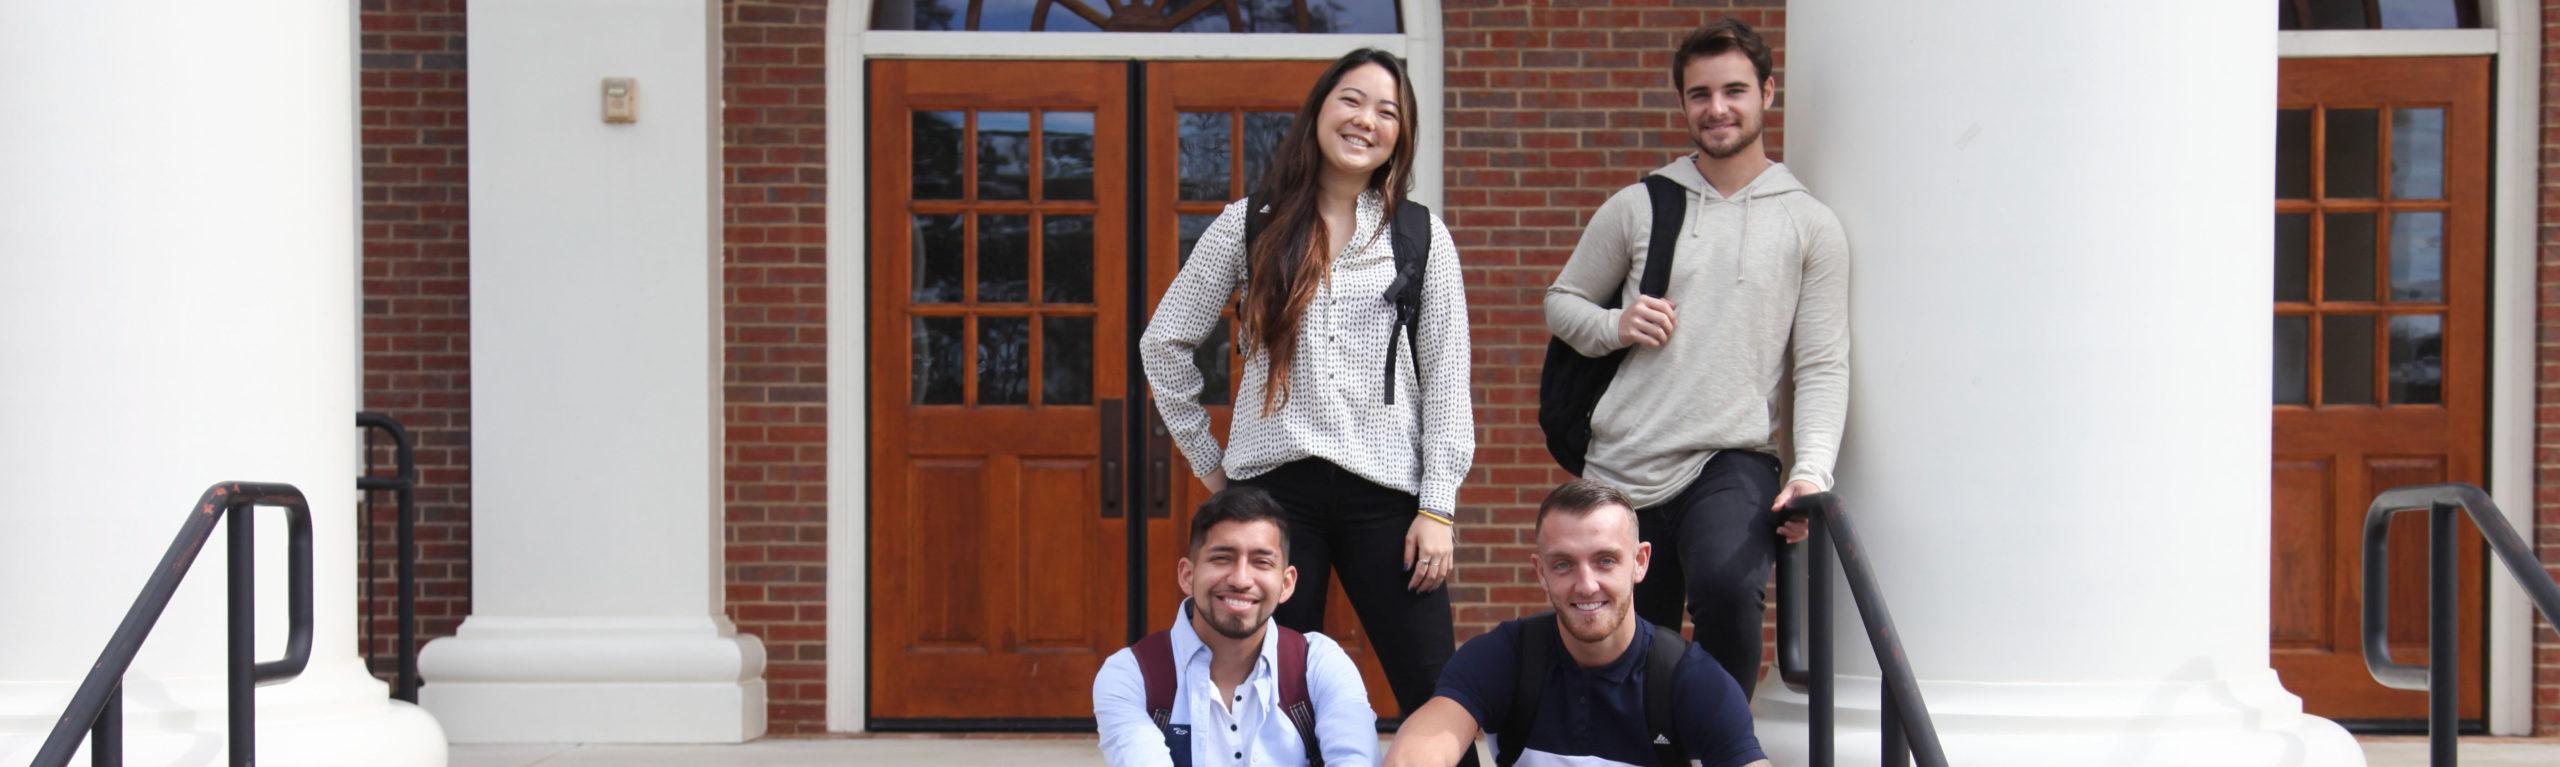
(849, 45)
(2512, 33)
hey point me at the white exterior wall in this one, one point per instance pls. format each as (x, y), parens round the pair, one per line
(178, 246)
(2058, 451)
(596, 489)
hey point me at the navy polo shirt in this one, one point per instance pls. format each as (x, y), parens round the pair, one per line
(1587, 714)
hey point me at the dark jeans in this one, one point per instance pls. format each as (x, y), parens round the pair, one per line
(1341, 523)
(1713, 544)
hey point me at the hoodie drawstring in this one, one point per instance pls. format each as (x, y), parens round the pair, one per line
(1698, 224)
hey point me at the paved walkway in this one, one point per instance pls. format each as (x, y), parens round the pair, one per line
(956, 751)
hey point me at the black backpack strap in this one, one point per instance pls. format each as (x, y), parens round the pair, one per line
(1670, 209)
(1412, 230)
(1661, 667)
(1294, 701)
(1538, 644)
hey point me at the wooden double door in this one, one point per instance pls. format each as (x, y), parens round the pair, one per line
(2381, 266)
(1026, 506)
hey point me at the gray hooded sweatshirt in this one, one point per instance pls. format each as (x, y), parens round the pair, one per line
(1761, 285)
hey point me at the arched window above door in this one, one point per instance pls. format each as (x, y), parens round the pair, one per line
(2377, 14)
(1263, 16)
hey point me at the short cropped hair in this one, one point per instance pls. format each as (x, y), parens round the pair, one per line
(1715, 39)
(1239, 503)
(1579, 498)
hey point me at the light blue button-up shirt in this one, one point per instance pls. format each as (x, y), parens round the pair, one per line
(1246, 731)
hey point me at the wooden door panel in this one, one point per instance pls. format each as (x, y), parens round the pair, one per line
(998, 327)
(2382, 215)
(2306, 557)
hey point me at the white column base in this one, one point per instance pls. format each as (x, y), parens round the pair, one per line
(595, 680)
(331, 715)
(2242, 720)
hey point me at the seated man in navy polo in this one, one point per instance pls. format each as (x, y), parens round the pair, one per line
(1226, 685)
(1590, 706)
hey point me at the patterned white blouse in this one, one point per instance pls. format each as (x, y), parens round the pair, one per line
(1337, 410)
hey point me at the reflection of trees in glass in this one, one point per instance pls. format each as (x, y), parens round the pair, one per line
(937, 137)
(1066, 368)
(1203, 149)
(1004, 360)
(1263, 132)
(936, 359)
(1004, 158)
(1066, 155)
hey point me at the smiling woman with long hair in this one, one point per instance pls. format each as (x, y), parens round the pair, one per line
(1359, 429)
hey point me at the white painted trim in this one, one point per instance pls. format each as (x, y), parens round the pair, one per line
(2512, 363)
(848, 354)
(849, 44)
(2386, 42)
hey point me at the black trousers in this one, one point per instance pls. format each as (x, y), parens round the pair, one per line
(1713, 545)
(1342, 524)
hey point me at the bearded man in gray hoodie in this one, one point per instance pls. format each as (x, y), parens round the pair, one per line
(1691, 427)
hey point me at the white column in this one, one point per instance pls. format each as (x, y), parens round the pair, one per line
(178, 252)
(2059, 436)
(595, 359)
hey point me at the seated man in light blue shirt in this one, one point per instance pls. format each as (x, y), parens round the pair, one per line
(1226, 686)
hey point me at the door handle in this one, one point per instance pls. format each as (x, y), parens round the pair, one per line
(1159, 469)
(1115, 481)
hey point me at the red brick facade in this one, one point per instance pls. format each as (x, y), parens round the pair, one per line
(774, 294)
(2546, 439)
(417, 303)
(1549, 107)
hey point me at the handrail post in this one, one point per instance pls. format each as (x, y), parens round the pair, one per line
(1897, 745)
(243, 629)
(2444, 646)
(106, 736)
(1817, 586)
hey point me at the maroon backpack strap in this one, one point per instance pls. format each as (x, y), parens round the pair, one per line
(1155, 665)
(1294, 703)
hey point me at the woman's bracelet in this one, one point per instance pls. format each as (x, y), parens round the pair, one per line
(1436, 517)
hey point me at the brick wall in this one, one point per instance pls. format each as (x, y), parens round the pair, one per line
(2546, 442)
(774, 164)
(417, 312)
(1551, 108)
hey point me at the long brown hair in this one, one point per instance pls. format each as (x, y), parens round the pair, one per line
(1287, 261)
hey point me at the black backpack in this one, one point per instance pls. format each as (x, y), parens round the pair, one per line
(1569, 384)
(1538, 643)
(1411, 232)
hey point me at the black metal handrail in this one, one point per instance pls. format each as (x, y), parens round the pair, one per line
(1907, 728)
(98, 707)
(404, 486)
(2441, 677)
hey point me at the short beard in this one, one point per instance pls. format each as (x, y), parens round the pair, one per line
(1612, 616)
(1244, 633)
(1748, 139)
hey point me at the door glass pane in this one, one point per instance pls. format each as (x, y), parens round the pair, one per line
(2423, 14)
(2293, 256)
(1191, 226)
(2347, 257)
(1004, 360)
(936, 360)
(2417, 256)
(1004, 259)
(2293, 360)
(936, 164)
(2417, 359)
(1211, 357)
(2339, 14)
(2354, 152)
(1066, 154)
(2346, 360)
(1066, 360)
(1066, 260)
(1004, 155)
(2293, 154)
(1263, 132)
(2417, 154)
(940, 249)
(1203, 151)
